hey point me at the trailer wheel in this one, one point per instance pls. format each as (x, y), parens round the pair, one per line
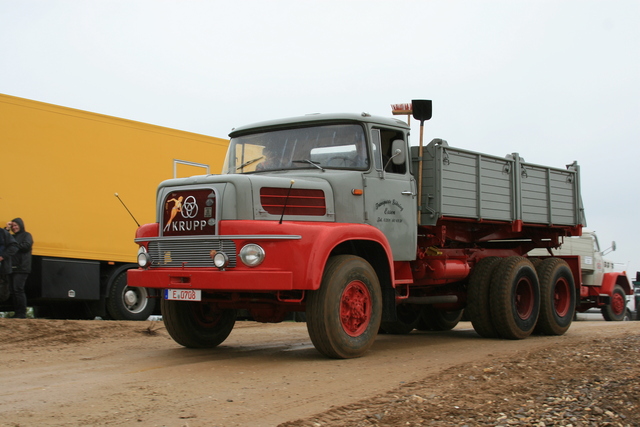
(478, 302)
(434, 319)
(343, 315)
(129, 303)
(615, 311)
(197, 324)
(515, 298)
(408, 318)
(64, 310)
(557, 296)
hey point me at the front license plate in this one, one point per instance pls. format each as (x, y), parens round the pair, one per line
(182, 295)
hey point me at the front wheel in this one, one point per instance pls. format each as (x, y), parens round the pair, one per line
(197, 324)
(616, 310)
(343, 315)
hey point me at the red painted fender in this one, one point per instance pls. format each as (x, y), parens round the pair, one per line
(609, 280)
(316, 243)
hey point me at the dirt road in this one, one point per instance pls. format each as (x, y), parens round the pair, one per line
(79, 373)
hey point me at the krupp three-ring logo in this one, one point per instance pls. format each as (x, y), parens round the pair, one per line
(189, 213)
(189, 207)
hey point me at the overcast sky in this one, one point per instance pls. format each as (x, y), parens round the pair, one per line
(555, 81)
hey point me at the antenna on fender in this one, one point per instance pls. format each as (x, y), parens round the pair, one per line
(125, 206)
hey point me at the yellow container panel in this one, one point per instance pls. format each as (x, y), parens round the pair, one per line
(62, 168)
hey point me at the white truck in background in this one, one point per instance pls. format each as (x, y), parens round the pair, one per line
(601, 286)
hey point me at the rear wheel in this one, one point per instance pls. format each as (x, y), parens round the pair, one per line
(197, 324)
(343, 315)
(478, 297)
(616, 310)
(557, 296)
(408, 318)
(515, 298)
(434, 319)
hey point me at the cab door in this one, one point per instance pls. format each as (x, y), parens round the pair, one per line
(390, 195)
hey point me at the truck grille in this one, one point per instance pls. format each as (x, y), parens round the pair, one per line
(189, 253)
(295, 201)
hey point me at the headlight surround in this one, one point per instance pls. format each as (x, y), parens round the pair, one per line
(144, 259)
(252, 255)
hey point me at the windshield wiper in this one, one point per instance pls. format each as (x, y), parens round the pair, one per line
(248, 162)
(312, 163)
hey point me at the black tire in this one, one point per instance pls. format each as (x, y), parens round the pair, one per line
(478, 297)
(408, 318)
(129, 303)
(616, 309)
(515, 298)
(197, 324)
(557, 297)
(433, 319)
(343, 315)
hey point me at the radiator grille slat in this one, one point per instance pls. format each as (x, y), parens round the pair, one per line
(190, 253)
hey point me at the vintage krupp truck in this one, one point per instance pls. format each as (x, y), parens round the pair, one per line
(338, 217)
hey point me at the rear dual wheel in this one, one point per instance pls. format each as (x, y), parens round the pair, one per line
(558, 296)
(512, 297)
(435, 319)
(515, 298)
(408, 319)
(479, 299)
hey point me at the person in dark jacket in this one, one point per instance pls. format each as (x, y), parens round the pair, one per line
(20, 266)
(8, 247)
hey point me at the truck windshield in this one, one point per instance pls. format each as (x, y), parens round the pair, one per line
(340, 146)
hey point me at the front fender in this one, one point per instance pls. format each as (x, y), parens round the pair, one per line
(317, 241)
(609, 280)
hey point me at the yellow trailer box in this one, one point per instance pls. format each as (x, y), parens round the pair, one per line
(61, 172)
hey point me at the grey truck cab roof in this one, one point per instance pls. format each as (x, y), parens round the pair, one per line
(314, 119)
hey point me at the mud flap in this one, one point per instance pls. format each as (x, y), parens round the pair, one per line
(389, 312)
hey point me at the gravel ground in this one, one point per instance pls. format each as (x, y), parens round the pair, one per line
(593, 384)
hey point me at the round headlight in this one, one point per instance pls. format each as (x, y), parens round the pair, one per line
(144, 259)
(252, 255)
(220, 260)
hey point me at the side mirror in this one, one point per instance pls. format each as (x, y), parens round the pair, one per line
(399, 154)
(613, 246)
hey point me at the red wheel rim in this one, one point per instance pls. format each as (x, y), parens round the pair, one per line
(562, 297)
(524, 298)
(355, 308)
(618, 303)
